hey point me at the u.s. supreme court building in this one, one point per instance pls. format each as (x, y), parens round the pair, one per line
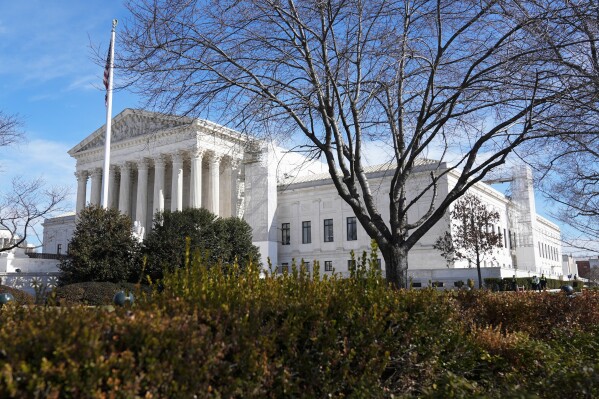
(161, 162)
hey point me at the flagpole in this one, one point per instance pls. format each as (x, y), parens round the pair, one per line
(106, 171)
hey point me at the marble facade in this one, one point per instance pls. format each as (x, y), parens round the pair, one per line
(160, 162)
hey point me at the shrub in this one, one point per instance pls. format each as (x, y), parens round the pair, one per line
(103, 248)
(92, 293)
(234, 334)
(21, 297)
(218, 240)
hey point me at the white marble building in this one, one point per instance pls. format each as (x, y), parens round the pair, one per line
(164, 162)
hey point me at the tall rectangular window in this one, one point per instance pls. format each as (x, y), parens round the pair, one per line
(328, 230)
(351, 265)
(306, 232)
(352, 229)
(59, 249)
(284, 268)
(504, 239)
(328, 265)
(285, 234)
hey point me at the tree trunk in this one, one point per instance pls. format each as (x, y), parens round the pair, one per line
(396, 265)
(480, 280)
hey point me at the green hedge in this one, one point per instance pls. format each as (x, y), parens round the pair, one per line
(506, 284)
(21, 297)
(211, 334)
(90, 293)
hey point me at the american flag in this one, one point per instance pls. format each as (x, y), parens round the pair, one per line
(107, 73)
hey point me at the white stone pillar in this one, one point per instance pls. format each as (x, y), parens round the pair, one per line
(111, 187)
(215, 184)
(142, 192)
(124, 195)
(159, 184)
(177, 183)
(96, 192)
(234, 186)
(225, 187)
(195, 182)
(82, 176)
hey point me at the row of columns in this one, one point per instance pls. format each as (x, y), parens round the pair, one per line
(124, 196)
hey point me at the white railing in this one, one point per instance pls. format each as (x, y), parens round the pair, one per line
(28, 282)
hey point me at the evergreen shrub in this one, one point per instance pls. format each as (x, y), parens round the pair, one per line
(90, 293)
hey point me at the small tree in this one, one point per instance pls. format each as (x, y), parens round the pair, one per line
(219, 240)
(472, 234)
(103, 248)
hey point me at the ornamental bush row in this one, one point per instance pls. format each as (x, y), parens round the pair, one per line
(211, 333)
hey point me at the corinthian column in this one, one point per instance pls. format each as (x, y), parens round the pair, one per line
(81, 188)
(96, 194)
(124, 196)
(158, 184)
(111, 187)
(235, 165)
(142, 192)
(177, 184)
(195, 189)
(215, 184)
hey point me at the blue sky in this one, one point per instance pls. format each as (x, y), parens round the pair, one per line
(49, 78)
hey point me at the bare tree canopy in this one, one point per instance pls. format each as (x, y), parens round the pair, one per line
(23, 204)
(567, 160)
(10, 129)
(466, 81)
(24, 207)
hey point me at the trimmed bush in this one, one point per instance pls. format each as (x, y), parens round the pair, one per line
(103, 248)
(21, 297)
(90, 293)
(177, 235)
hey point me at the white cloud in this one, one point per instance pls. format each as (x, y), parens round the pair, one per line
(40, 159)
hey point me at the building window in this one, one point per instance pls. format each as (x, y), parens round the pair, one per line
(59, 249)
(285, 234)
(328, 265)
(352, 229)
(328, 230)
(504, 238)
(284, 268)
(306, 232)
(379, 264)
(351, 265)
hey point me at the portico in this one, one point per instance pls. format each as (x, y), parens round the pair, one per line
(160, 162)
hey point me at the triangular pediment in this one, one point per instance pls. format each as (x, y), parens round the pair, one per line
(129, 124)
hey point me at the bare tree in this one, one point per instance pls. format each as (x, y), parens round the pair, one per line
(10, 129)
(568, 164)
(23, 204)
(463, 80)
(24, 207)
(472, 235)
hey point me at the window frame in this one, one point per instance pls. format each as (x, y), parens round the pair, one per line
(353, 222)
(306, 232)
(285, 233)
(328, 231)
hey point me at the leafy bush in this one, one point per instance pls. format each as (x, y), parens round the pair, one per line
(218, 240)
(103, 248)
(234, 334)
(91, 293)
(507, 284)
